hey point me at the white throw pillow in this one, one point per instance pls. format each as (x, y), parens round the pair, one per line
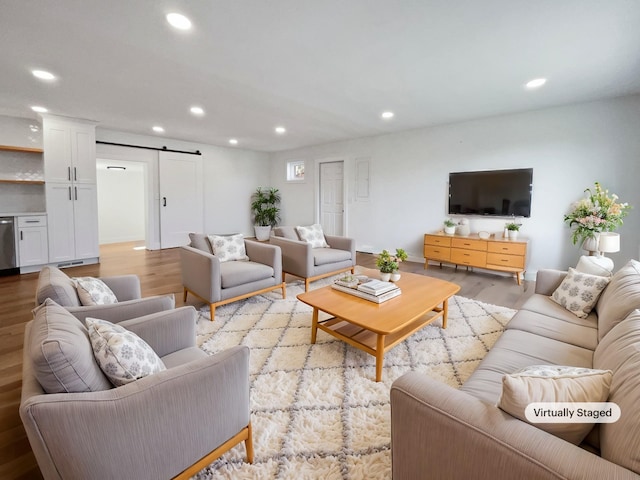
(93, 291)
(579, 292)
(313, 235)
(593, 266)
(122, 355)
(554, 383)
(228, 247)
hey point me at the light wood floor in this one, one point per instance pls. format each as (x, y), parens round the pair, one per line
(159, 273)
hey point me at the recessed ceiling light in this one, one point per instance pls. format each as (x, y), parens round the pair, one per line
(39, 109)
(197, 110)
(536, 83)
(387, 115)
(179, 21)
(233, 141)
(158, 129)
(281, 130)
(43, 75)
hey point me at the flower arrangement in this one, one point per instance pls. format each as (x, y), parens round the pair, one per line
(388, 263)
(598, 212)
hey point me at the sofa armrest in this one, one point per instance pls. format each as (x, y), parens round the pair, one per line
(297, 256)
(124, 287)
(166, 332)
(117, 312)
(152, 428)
(451, 434)
(201, 273)
(266, 254)
(343, 243)
(547, 280)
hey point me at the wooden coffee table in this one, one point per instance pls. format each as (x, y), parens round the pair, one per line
(376, 328)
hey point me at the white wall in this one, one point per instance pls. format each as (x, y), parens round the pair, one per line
(121, 202)
(568, 147)
(230, 175)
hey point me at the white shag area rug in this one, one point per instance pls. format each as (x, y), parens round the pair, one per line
(316, 410)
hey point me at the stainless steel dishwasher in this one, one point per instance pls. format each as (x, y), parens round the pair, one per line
(7, 247)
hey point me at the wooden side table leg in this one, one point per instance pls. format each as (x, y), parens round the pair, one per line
(445, 310)
(314, 325)
(379, 357)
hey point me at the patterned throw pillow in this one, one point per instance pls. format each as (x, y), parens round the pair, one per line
(122, 355)
(579, 292)
(229, 247)
(554, 383)
(313, 235)
(93, 291)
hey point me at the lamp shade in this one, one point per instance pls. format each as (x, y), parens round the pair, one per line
(609, 242)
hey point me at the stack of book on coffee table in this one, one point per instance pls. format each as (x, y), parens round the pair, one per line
(370, 289)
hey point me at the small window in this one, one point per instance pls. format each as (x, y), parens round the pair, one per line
(295, 171)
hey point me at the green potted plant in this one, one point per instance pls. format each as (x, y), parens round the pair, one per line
(265, 208)
(388, 264)
(513, 229)
(449, 226)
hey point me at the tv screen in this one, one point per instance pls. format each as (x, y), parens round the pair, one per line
(498, 193)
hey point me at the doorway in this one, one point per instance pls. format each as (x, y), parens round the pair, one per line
(331, 197)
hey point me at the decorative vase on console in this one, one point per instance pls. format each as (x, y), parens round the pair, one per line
(449, 226)
(590, 244)
(463, 229)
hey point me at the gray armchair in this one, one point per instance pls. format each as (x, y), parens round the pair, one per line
(168, 424)
(53, 283)
(300, 260)
(219, 283)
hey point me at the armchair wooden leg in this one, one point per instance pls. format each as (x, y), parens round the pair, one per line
(306, 284)
(284, 290)
(283, 276)
(184, 299)
(248, 444)
(212, 310)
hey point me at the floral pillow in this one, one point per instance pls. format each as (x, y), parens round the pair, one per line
(93, 291)
(579, 292)
(122, 355)
(313, 235)
(228, 247)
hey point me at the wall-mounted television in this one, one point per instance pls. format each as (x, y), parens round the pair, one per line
(499, 193)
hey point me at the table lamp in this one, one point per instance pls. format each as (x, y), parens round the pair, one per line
(608, 242)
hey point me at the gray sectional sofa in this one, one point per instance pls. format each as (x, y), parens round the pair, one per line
(442, 432)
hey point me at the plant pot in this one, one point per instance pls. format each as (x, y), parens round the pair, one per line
(385, 276)
(395, 276)
(513, 234)
(262, 233)
(450, 230)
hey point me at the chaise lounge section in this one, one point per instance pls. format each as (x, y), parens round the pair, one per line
(443, 432)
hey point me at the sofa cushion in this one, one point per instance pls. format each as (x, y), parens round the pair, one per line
(93, 291)
(579, 292)
(200, 241)
(619, 351)
(324, 256)
(61, 352)
(620, 298)
(313, 235)
(514, 350)
(286, 232)
(542, 316)
(592, 265)
(56, 285)
(228, 247)
(122, 355)
(240, 273)
(554, 383)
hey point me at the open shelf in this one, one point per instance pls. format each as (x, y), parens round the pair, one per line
(23, 182)
(21, 149)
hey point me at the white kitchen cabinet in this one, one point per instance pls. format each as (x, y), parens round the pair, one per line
(70, 151)
(70, 190)
(33, 242)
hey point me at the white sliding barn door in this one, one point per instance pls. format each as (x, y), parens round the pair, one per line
(332, 197)
(181, 209)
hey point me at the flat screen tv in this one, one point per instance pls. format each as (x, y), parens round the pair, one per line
(499, 193)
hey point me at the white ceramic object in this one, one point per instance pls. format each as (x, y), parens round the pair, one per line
(513, 234)
(450, 230)
(385, 276)
(395, 276)
(484, 235)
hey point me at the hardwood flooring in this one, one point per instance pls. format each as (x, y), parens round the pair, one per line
(159, 273)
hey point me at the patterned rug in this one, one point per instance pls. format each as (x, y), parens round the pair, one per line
(316, 410)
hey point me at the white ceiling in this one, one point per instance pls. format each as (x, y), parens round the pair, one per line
(324, 69)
